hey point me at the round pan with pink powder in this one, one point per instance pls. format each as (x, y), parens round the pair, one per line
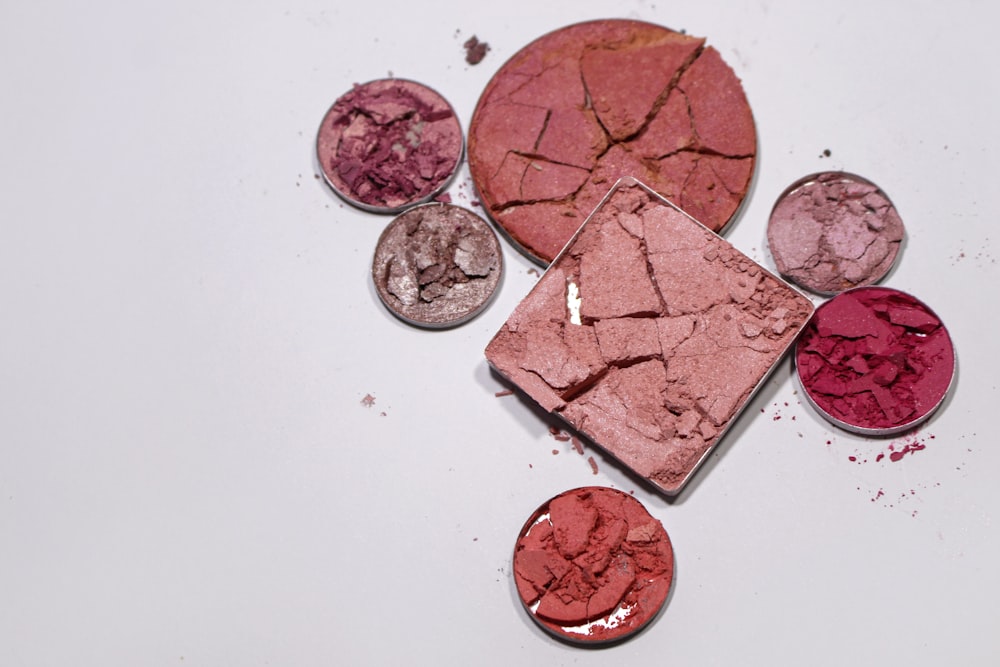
(579, 108)
(832, 231)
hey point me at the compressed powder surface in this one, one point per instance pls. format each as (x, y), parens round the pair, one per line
(648, 334)
(437, 265)
(388, 144)
(592, 565)
(875, 359)
(833, 231)
(585, 105)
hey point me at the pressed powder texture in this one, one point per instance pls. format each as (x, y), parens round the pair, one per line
(581, 107)
(437, 265)
(648, 334)
(591, 565)
(875, 360)
(388, 144)
(833, 231)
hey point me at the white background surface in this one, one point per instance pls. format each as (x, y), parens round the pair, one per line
(188, 475)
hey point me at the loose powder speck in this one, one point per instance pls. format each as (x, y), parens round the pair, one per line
(585, 105)
(437, 265)
(875, 360)
(832, 231)
(389, 144)
(649, 334)
(591, 565)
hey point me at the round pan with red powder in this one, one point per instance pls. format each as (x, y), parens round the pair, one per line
(875, 361)
(593, 566)
(579, 108)
(388, 144)
(832, 231)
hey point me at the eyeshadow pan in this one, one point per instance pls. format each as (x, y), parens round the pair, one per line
(581, 107)
(832, 231)
(437, 265)
(592, 566)
(875, 361)
(648, 334)
(388, 144)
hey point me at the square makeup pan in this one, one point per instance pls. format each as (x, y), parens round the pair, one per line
(648, 334)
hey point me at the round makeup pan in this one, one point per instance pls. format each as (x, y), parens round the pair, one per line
(437, 265)
(577, 109)
(832, 231)
(389, 144)
(875, 361)
(592, 566)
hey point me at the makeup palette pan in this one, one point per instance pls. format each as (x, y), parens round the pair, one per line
(564, 118)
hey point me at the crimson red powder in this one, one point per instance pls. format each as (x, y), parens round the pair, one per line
(592, 565)
(875, 360)
(388, 144)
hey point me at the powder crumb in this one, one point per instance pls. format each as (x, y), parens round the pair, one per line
(504, 392)
(593, 464)
(475, 50)
(577, 445)
(555, 452)
(368, 401)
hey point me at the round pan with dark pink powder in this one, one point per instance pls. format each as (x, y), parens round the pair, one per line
(875, 361)
(389, 144)
(579, 108)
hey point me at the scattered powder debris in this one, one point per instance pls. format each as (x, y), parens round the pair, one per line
(475, 50)
(593, 464)
(826, 153)
(368, 401)
(504, 392)
(577, 445)
(555, 452)
(533, 272)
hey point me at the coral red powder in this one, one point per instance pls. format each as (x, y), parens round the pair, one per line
(875, 360)
(592, 565)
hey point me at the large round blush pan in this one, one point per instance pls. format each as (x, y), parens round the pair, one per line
(579, 108)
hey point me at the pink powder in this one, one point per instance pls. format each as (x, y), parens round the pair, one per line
(833, 231)
(648, 334)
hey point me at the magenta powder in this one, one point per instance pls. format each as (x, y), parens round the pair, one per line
(389, 144)
(875, 360)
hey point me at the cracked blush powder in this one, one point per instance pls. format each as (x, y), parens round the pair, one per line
(593, 566)
(581, 107)
(388, 144)
(649, 334)
(833, 231)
